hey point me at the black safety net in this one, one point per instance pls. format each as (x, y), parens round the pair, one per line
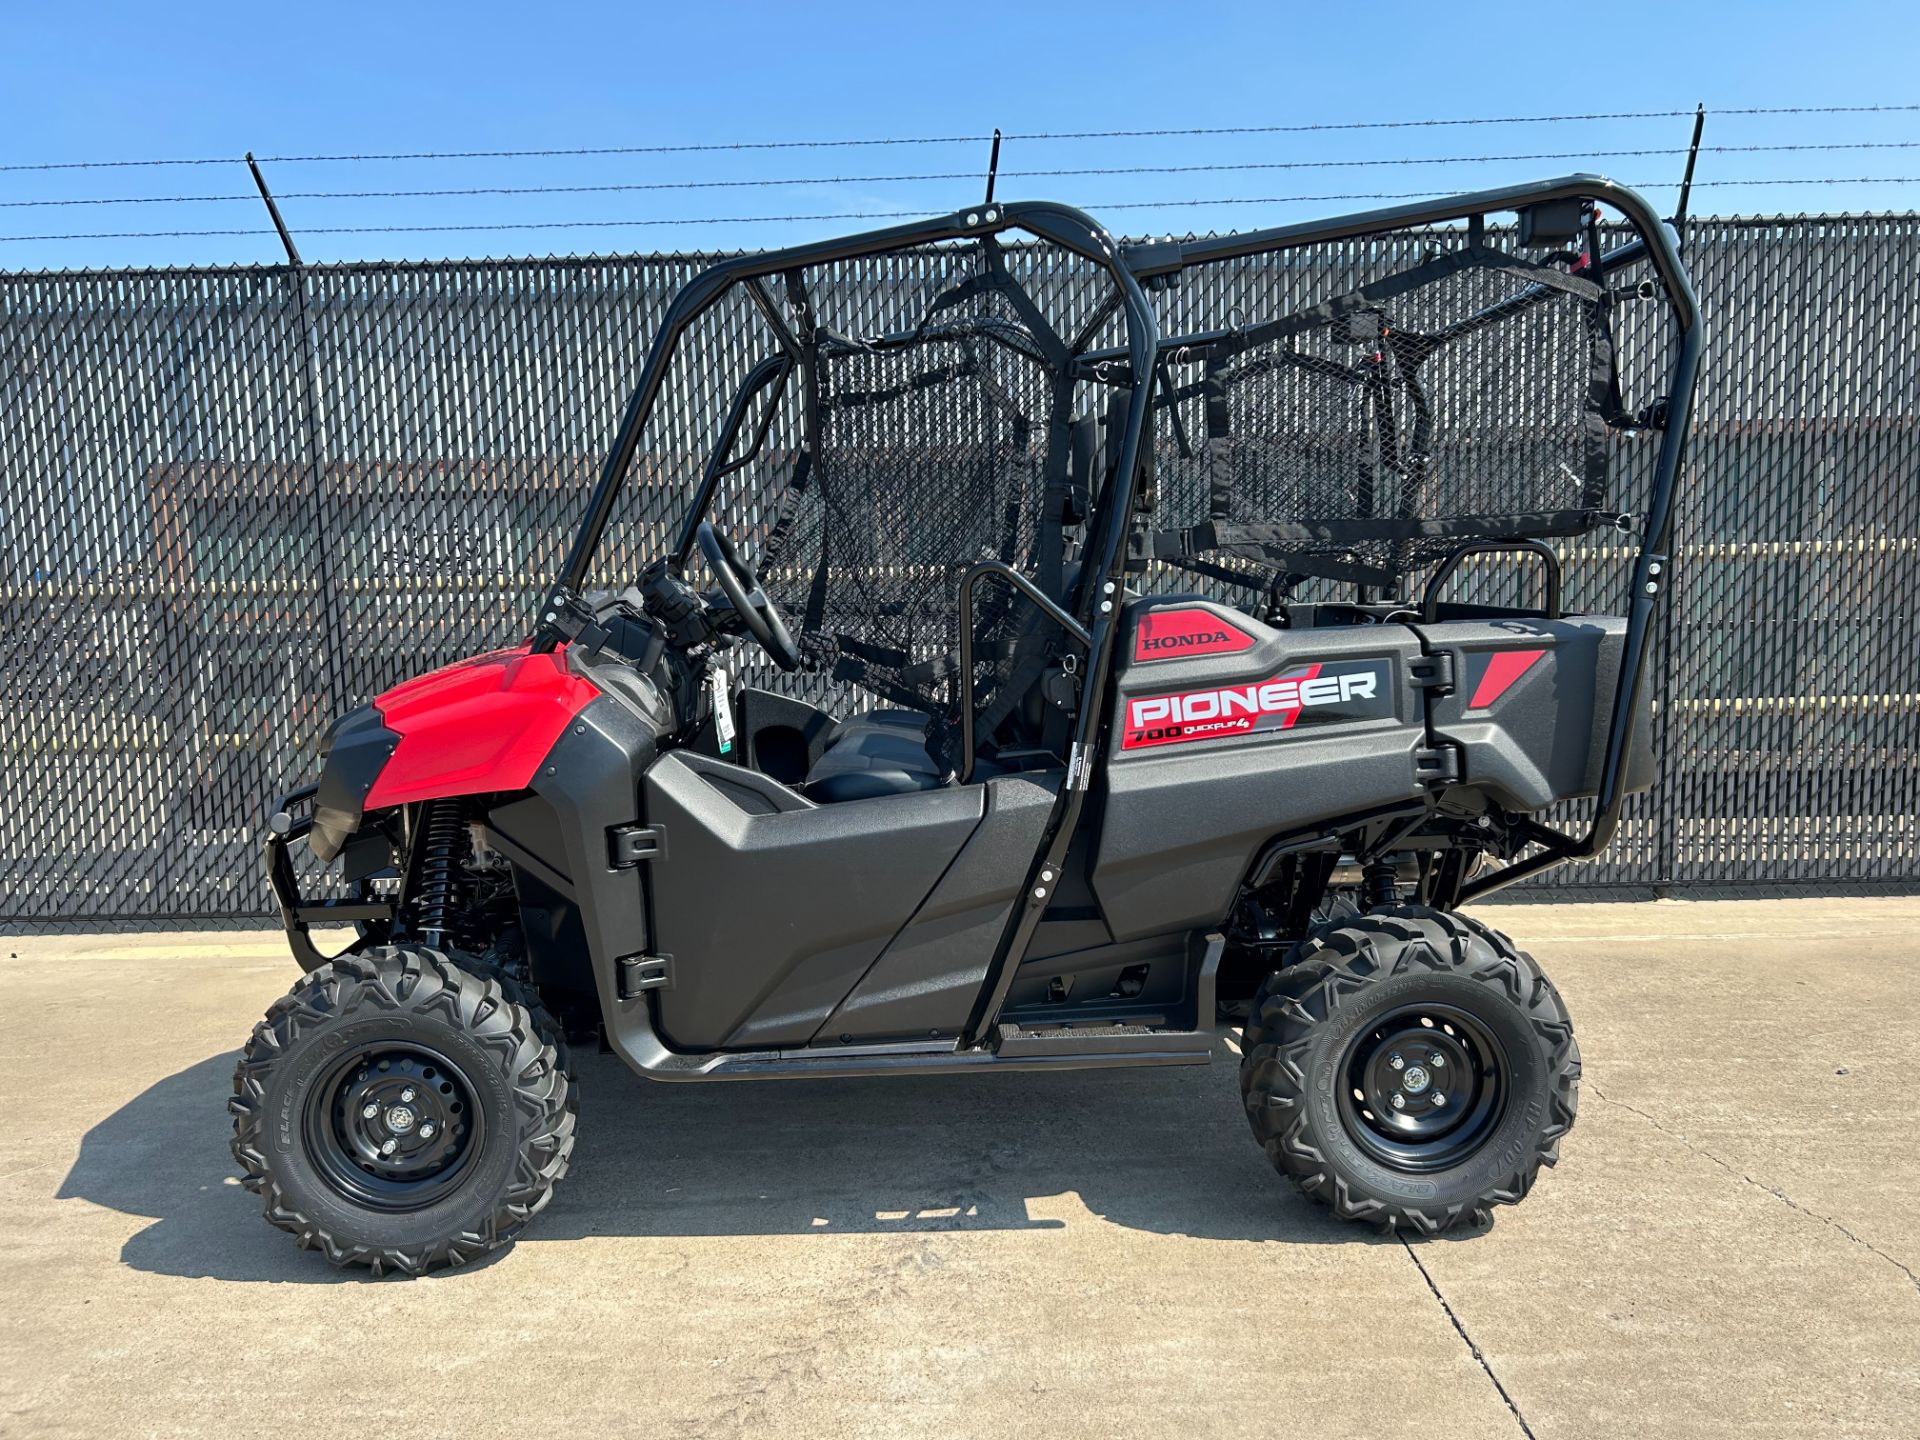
(933, 446)
(1467, 397)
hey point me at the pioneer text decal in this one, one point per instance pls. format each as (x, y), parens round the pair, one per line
(1341, 691)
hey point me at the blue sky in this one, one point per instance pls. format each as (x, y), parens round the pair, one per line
(118, 82)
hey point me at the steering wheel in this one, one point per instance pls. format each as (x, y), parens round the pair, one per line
(742, 589)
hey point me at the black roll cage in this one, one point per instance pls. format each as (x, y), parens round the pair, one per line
(1652, 568)
(1142, 355)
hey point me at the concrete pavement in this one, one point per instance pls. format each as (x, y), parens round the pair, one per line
(1729, 1245)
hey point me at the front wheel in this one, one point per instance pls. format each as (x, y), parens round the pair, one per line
(397, 1111)
(1411, 1069)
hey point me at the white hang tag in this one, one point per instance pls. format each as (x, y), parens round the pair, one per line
(722, 708)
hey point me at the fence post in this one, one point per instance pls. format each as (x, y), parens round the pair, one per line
(331, 620)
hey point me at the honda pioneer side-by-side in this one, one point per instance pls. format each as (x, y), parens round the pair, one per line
(1049, 662)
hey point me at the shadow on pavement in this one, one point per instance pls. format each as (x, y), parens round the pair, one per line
(1165, 1151)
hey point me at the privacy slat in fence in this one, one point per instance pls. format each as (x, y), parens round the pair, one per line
(236, 502)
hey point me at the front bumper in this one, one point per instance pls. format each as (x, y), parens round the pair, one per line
(292, 820)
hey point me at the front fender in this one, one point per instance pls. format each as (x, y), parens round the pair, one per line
(479, 727)
(353, 755)
(482, 725)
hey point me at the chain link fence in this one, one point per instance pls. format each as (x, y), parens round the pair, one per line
(236, 502)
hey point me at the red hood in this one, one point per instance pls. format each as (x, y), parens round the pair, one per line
(478, 725)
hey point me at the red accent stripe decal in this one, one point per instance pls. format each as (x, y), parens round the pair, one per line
(1312, 673)
(1503, 668)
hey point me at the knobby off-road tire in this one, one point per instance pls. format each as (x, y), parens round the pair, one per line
(545, 1025)
(1336, 909)
(387, 1044)
(1367, 999)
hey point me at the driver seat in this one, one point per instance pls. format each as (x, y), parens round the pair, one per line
(883, 752)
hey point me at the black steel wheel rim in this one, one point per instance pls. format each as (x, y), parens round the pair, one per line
(392, 1126)
(1423, 1087)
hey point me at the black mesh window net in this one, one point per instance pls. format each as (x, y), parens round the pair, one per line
(931, 459)
(923, 430)
(1465, 398)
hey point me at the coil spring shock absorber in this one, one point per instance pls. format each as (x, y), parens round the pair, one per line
(442, 835)
(1382, 881)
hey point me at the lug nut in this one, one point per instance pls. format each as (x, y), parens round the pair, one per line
(1399, 1103)
(407, 1094)
(1396, 1062)
(1439, 1097)
(367, 1112)
(387, 1147)
(1437, 1060)
(426, 1131)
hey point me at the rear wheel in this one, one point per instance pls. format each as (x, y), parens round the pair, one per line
(1410, 1069)
(397, 1111)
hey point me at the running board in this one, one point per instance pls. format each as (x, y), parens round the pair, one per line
(1169, 1047)
(1123, 1043)
(1119, 1042)
(1067, 1048)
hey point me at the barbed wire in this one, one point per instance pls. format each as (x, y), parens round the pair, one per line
(1223, 167)
(484, 226)
(975, 139)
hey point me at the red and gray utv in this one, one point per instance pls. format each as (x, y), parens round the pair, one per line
(1040, 671)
